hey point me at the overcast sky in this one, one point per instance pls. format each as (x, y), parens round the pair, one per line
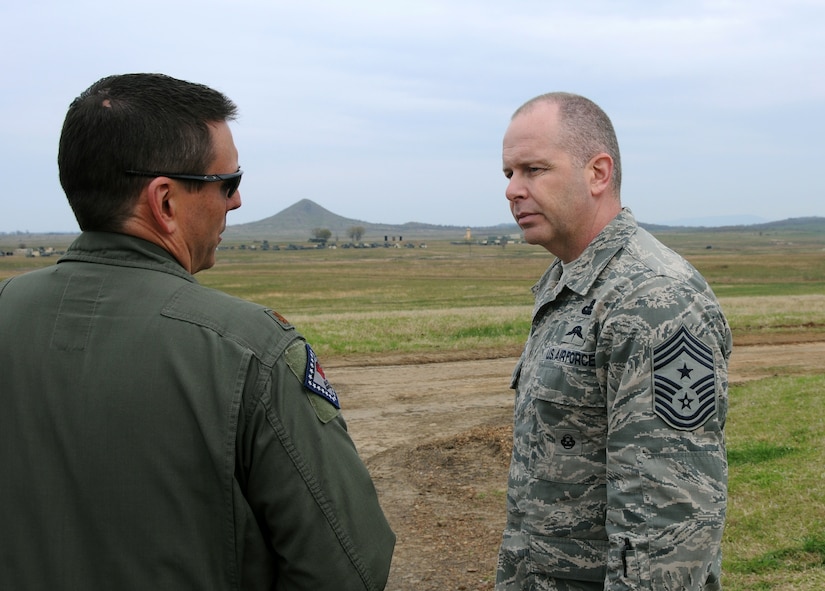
(393, 111)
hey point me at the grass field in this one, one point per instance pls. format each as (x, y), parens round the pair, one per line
(448, 299)
(775, 532)
(451, 297)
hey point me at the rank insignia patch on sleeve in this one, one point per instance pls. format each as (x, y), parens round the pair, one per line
(315, 380)
(278, 318)
(684, 383)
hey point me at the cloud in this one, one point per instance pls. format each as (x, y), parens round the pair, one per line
(394, 112)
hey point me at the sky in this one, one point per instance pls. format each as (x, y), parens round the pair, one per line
(394, 111)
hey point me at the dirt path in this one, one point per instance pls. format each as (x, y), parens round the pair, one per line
(435, 436)
(405, 405)
(398, 405)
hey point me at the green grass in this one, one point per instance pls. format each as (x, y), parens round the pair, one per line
(379, 279)
(333, 296)
(366, 301)
(771, 316)
(775, 532)
(416, 331)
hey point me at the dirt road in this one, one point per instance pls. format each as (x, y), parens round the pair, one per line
(404, 405)
(435, 436)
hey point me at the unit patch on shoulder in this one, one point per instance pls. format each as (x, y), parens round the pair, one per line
(315, 381)
(684, 383)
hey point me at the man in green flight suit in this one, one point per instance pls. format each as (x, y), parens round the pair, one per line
(157, 434)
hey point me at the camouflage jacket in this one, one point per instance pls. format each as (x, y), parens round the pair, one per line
(618, 478)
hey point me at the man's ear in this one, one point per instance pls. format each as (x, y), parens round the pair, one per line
(159, 195)
(601, 173)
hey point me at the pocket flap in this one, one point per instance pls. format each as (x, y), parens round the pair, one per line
(569, 558)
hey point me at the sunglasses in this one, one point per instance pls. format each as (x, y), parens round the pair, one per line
(231, 181)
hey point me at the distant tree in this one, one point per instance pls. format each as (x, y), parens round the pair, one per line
(321, 234)
(356, 233)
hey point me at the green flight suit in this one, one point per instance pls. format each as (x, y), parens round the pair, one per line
(158, 434)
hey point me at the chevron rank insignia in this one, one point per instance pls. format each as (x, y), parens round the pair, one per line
(684, 383)
(315, 380)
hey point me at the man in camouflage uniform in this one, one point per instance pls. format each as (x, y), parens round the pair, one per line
(618, 478)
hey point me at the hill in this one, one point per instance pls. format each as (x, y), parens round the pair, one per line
(297, 222)
(804, 225)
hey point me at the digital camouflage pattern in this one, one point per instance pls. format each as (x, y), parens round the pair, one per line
(618, 479)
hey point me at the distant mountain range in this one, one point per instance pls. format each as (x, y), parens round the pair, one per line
(716, 221)
(298, 221)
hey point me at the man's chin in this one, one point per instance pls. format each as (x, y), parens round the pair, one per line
(207, 263)
(536, 239)
(531, 235)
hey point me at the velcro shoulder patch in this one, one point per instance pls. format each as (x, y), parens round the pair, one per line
(279, 319)
(315, 381)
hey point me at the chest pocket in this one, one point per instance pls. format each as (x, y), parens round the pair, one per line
(571, 421)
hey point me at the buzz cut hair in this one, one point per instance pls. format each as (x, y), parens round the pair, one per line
(586, 130)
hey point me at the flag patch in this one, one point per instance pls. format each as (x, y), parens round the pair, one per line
(684, 383)
(315, 380)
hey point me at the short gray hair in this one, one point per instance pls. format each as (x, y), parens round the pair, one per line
(586, 130)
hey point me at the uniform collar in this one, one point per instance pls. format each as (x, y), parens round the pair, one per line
(580, 274)
(124, 251)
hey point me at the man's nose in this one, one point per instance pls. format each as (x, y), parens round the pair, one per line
(515, 188)
(234, 202)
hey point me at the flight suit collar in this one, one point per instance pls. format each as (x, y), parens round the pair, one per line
(125, 251)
